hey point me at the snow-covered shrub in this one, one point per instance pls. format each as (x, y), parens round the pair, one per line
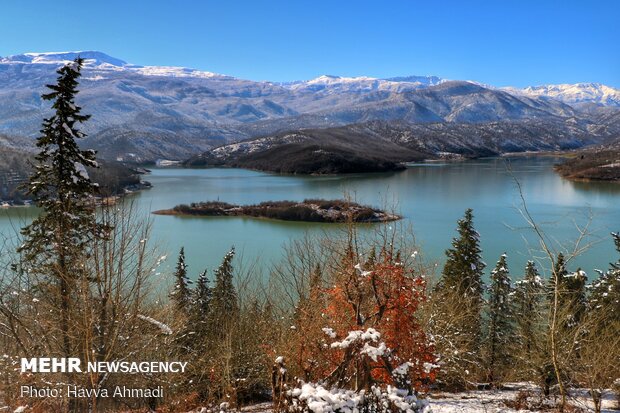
(315, 398)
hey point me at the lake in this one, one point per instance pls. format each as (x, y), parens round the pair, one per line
(431, 197)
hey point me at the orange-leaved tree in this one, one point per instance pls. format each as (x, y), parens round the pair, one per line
(365, 320)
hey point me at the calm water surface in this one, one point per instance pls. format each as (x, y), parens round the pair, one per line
(431, 197)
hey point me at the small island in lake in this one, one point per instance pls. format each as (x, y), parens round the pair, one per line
(310, 210)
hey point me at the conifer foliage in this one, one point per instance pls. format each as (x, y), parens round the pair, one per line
(457, 307)
(605, 292)
(55, 243)
(181, 293)
(571, 293)
(60, 184)
(528, 309)
(224, 299)
(202, 297)
(464, 267)
(501, 328)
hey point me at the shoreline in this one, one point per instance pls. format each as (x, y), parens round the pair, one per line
(108, 199)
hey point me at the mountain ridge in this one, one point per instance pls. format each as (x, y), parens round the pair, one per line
(143, 113)
(384, 146)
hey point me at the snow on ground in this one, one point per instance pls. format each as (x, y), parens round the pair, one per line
(498, 401)
(487, 401)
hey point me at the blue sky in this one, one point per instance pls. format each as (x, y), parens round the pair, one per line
(501, 42)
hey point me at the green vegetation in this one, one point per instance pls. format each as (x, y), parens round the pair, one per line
(499, 351)
(461, 284)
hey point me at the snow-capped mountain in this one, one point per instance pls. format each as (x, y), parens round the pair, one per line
(161, 111)
(98, 61)
(339, 84)
(577, 93)
(91, 58)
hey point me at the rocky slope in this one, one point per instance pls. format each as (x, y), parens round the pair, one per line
(142, 113)
(380, 146)
(114, 178)
(597, 163)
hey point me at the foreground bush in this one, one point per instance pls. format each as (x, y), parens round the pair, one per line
(311, 397)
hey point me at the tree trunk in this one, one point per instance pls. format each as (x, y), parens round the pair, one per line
(596, 398)
(554, 347)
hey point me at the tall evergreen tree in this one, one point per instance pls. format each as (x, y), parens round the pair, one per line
(571, 293)
(528, 308)
(532, 328)
(181, 293)
(459, 300)
(202, 297)
(463, 272)
(224, 304)
(500, 342)
(55, 243)
(574, 297)
(464, 266)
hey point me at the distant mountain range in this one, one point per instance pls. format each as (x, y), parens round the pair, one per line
(143, 113)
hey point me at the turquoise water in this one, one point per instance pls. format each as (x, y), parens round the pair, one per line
(431, 197)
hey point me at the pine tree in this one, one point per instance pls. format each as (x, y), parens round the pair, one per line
(528, 308)
(501, 327)
(464, 266)
(559, 272)
(224, 321)
(202, 297)
(181, 292)
(574, 297)
(571, 293)
(56, 242)
(224, 304)
(605, 291)
(197, 328)
(458, 301)
(463, 272)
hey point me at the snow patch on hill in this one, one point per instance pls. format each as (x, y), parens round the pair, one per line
(339, 84)
(574, 93)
